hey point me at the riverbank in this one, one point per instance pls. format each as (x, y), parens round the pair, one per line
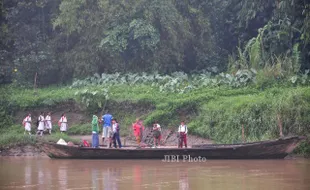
(216, 113)
(221, 113)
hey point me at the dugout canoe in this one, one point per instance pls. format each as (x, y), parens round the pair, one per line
(272, 149)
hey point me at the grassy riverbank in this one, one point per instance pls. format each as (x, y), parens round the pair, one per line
(215, 111)
(15, 137)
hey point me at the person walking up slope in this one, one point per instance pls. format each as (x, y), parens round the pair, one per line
(63, 123)
(48, 122)
(40, 124)
(27, 124)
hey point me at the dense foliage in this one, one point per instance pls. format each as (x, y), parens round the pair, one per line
(63, 39)
(215, 111)
(218, 64)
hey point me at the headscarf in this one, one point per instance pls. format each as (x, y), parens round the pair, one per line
(95, 120)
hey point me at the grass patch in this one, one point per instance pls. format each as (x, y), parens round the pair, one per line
(83, 129)
(303, 148)
(15, 136)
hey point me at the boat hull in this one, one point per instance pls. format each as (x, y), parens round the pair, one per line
(277, 149)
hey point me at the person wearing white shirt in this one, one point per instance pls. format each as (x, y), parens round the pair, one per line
(27, 124)
(41, 124)
(63, 123)
(182, 134)
(157, 134)
(48, 123)
(116, 135)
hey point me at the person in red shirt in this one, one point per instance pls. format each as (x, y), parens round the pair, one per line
(138, 129)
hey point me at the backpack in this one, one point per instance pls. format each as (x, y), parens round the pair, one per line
(38, 121)
(86, 143)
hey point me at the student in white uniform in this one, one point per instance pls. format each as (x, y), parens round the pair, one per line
(41, 124)
(182, 134)
(27, 124)
(48, 122)
(63, 123)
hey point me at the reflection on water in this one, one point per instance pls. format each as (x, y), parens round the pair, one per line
(183, 180)
(40, 174)
(45, 173)
(62, 177)
(109, 179)
(137, 180)
(27, 174)
(94, 177)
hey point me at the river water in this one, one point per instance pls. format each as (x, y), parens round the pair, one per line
(45, 173)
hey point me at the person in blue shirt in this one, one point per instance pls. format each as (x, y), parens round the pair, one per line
(106, 127)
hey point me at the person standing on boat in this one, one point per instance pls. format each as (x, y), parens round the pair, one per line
(48, 122)
(40, 124)
(63, 123)
(95, 132)
(106, 127)
(138, 129)
(182, 134)
(27, 124)
(116, 137)
(156, 133)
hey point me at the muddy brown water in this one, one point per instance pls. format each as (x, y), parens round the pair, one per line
(44, 173)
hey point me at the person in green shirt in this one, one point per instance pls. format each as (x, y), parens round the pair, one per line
(95, 132)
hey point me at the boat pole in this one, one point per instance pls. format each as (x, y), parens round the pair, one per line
(243, 138)
(280, 125)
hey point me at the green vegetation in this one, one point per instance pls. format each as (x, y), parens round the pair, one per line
(213, 110)
(218, 64)
(14, 136)
(303, 149)
(68, 39)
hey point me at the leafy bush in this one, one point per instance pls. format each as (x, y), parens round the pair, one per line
(83, 129)
(303, 148)
(177, 82)
(92, 99)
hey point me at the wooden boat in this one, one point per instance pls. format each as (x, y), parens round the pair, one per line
(273, 149)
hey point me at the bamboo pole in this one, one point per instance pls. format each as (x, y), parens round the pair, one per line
(280, 125)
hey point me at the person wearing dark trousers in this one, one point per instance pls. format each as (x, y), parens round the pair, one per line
(182, 134)
(116, 137)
